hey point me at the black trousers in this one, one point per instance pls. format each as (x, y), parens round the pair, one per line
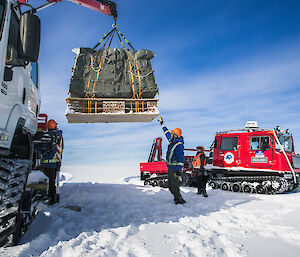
(51, 174)
(201, 179)
(174, 183)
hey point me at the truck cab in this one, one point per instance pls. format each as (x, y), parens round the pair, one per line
(19, 108)
(19, 92)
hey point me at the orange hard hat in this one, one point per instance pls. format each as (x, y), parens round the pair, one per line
(51, 124)
(177, 132)
(200, 147)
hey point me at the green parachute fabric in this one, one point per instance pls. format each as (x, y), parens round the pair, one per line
(113, 73)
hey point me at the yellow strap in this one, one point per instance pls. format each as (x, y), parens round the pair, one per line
(132, 80)
(139, 77)
(88, 85)
(134, 94)
(140, 86)
(98, 73)
(89, 106)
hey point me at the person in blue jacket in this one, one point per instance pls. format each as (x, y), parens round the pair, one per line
(52, 160)
(175, 160)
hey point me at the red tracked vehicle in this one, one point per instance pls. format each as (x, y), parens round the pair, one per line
(255, 160)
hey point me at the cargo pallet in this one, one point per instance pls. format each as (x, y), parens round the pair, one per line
(110, 110)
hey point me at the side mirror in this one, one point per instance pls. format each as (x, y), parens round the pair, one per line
(30, 33)
(8, 74)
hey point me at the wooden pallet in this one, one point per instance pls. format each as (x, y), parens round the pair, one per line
(110, 110)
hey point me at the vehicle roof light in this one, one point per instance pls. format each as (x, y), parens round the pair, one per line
(251, 124)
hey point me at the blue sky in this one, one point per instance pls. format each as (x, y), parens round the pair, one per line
(218, 64)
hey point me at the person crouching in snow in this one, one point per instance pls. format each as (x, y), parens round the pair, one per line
(175, 160)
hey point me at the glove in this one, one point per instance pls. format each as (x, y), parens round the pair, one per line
(160, 120)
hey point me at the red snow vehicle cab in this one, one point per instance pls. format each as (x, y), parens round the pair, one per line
(255, 160)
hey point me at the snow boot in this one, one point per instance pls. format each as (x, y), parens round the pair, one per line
(50, 201)
(199, 191)
(204, 193)
(179, 201)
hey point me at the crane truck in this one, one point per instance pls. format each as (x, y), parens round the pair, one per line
(20, 103)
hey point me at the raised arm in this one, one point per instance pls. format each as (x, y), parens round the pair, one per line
(165, 129)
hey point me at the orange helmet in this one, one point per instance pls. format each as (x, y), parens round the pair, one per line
(200, 148)
(177, 132)
(51, 124)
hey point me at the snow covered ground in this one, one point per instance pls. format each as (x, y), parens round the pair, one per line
(127, 219)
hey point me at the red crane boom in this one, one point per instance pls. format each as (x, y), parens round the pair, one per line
(104, 6)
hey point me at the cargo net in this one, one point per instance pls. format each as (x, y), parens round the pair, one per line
(115, 81)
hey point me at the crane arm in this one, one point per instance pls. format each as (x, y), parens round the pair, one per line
(104, 6)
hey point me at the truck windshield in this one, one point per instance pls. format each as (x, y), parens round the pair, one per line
(286, 141)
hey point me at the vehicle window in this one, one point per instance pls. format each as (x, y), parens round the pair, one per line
(286, 142)
(229, 143)
(13, 56)
(260, 143)
(254, 145)
(2, 8)
(34, 73)
(296, 161)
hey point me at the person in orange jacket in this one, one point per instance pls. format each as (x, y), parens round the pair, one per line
(199, 171)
